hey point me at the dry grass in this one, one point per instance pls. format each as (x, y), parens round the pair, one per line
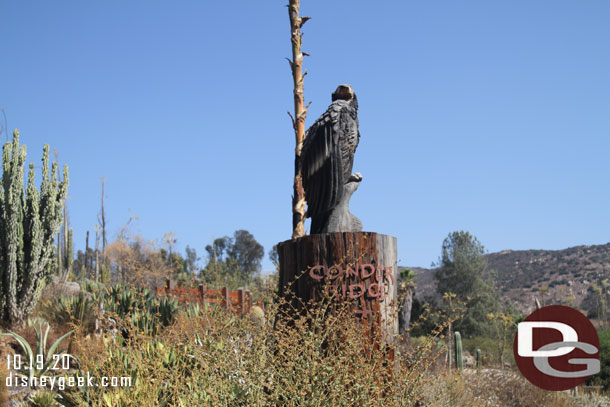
(491, 388)
(318, 358)
(315, 358)
(3, 389)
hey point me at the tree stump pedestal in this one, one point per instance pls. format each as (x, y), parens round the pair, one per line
(358, 267)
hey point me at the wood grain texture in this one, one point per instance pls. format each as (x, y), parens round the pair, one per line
(360, 267)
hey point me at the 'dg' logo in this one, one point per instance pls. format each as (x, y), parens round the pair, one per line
(556, 348)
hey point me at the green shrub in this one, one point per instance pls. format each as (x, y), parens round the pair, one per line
(489, 350)
(603, 377)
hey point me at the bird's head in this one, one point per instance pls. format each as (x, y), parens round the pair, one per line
(345, 92)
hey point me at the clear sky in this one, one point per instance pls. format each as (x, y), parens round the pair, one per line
(488, 116)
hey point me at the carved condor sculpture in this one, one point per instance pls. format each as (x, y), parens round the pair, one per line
(327, 159)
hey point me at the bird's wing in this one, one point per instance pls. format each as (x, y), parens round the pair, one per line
(321, 162)
(349, 138)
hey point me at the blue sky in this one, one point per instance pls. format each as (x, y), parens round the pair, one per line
(487, 116)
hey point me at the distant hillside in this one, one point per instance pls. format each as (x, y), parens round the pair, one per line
(553, 276)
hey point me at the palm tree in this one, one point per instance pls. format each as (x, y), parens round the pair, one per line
(406, 288)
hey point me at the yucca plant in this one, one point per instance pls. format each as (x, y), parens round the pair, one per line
(38, 362)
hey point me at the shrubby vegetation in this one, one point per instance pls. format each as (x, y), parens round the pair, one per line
(213, 357)
(466, 288)
(603, 377)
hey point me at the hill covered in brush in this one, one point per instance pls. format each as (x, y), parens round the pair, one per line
(570, 277)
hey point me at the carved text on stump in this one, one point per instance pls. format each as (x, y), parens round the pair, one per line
(358, 267)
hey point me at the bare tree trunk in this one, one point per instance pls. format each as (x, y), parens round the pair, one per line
(66, 271)
(103, 222)
(404, 321)
(449, 345)
(214, 251)
(298, 120)
(87, 254)
(97, 256)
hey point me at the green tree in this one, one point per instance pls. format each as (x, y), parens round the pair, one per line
(29, 220)
(223, 274)
(424, 317)
(84, 263)
(216, 250)
(191, 259)
(233, 261)
(274, 256)
(215, 268)
(462, 265)
(462, 271)
(246, 252)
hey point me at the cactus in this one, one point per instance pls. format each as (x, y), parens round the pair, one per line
(65, 247)
(28, 222)
(67, 253)
(459, 360)
(479, 359)
(257, 316)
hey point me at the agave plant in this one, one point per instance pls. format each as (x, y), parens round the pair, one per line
(43, 398)
(38, 363)
(166, 310)
(80, 310)
(193, 310)
(140, 309)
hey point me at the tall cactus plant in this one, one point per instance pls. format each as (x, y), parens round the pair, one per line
(65, 247)
(459, 360)
(29, 221)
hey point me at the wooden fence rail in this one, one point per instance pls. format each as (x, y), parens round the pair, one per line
(239, 301)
